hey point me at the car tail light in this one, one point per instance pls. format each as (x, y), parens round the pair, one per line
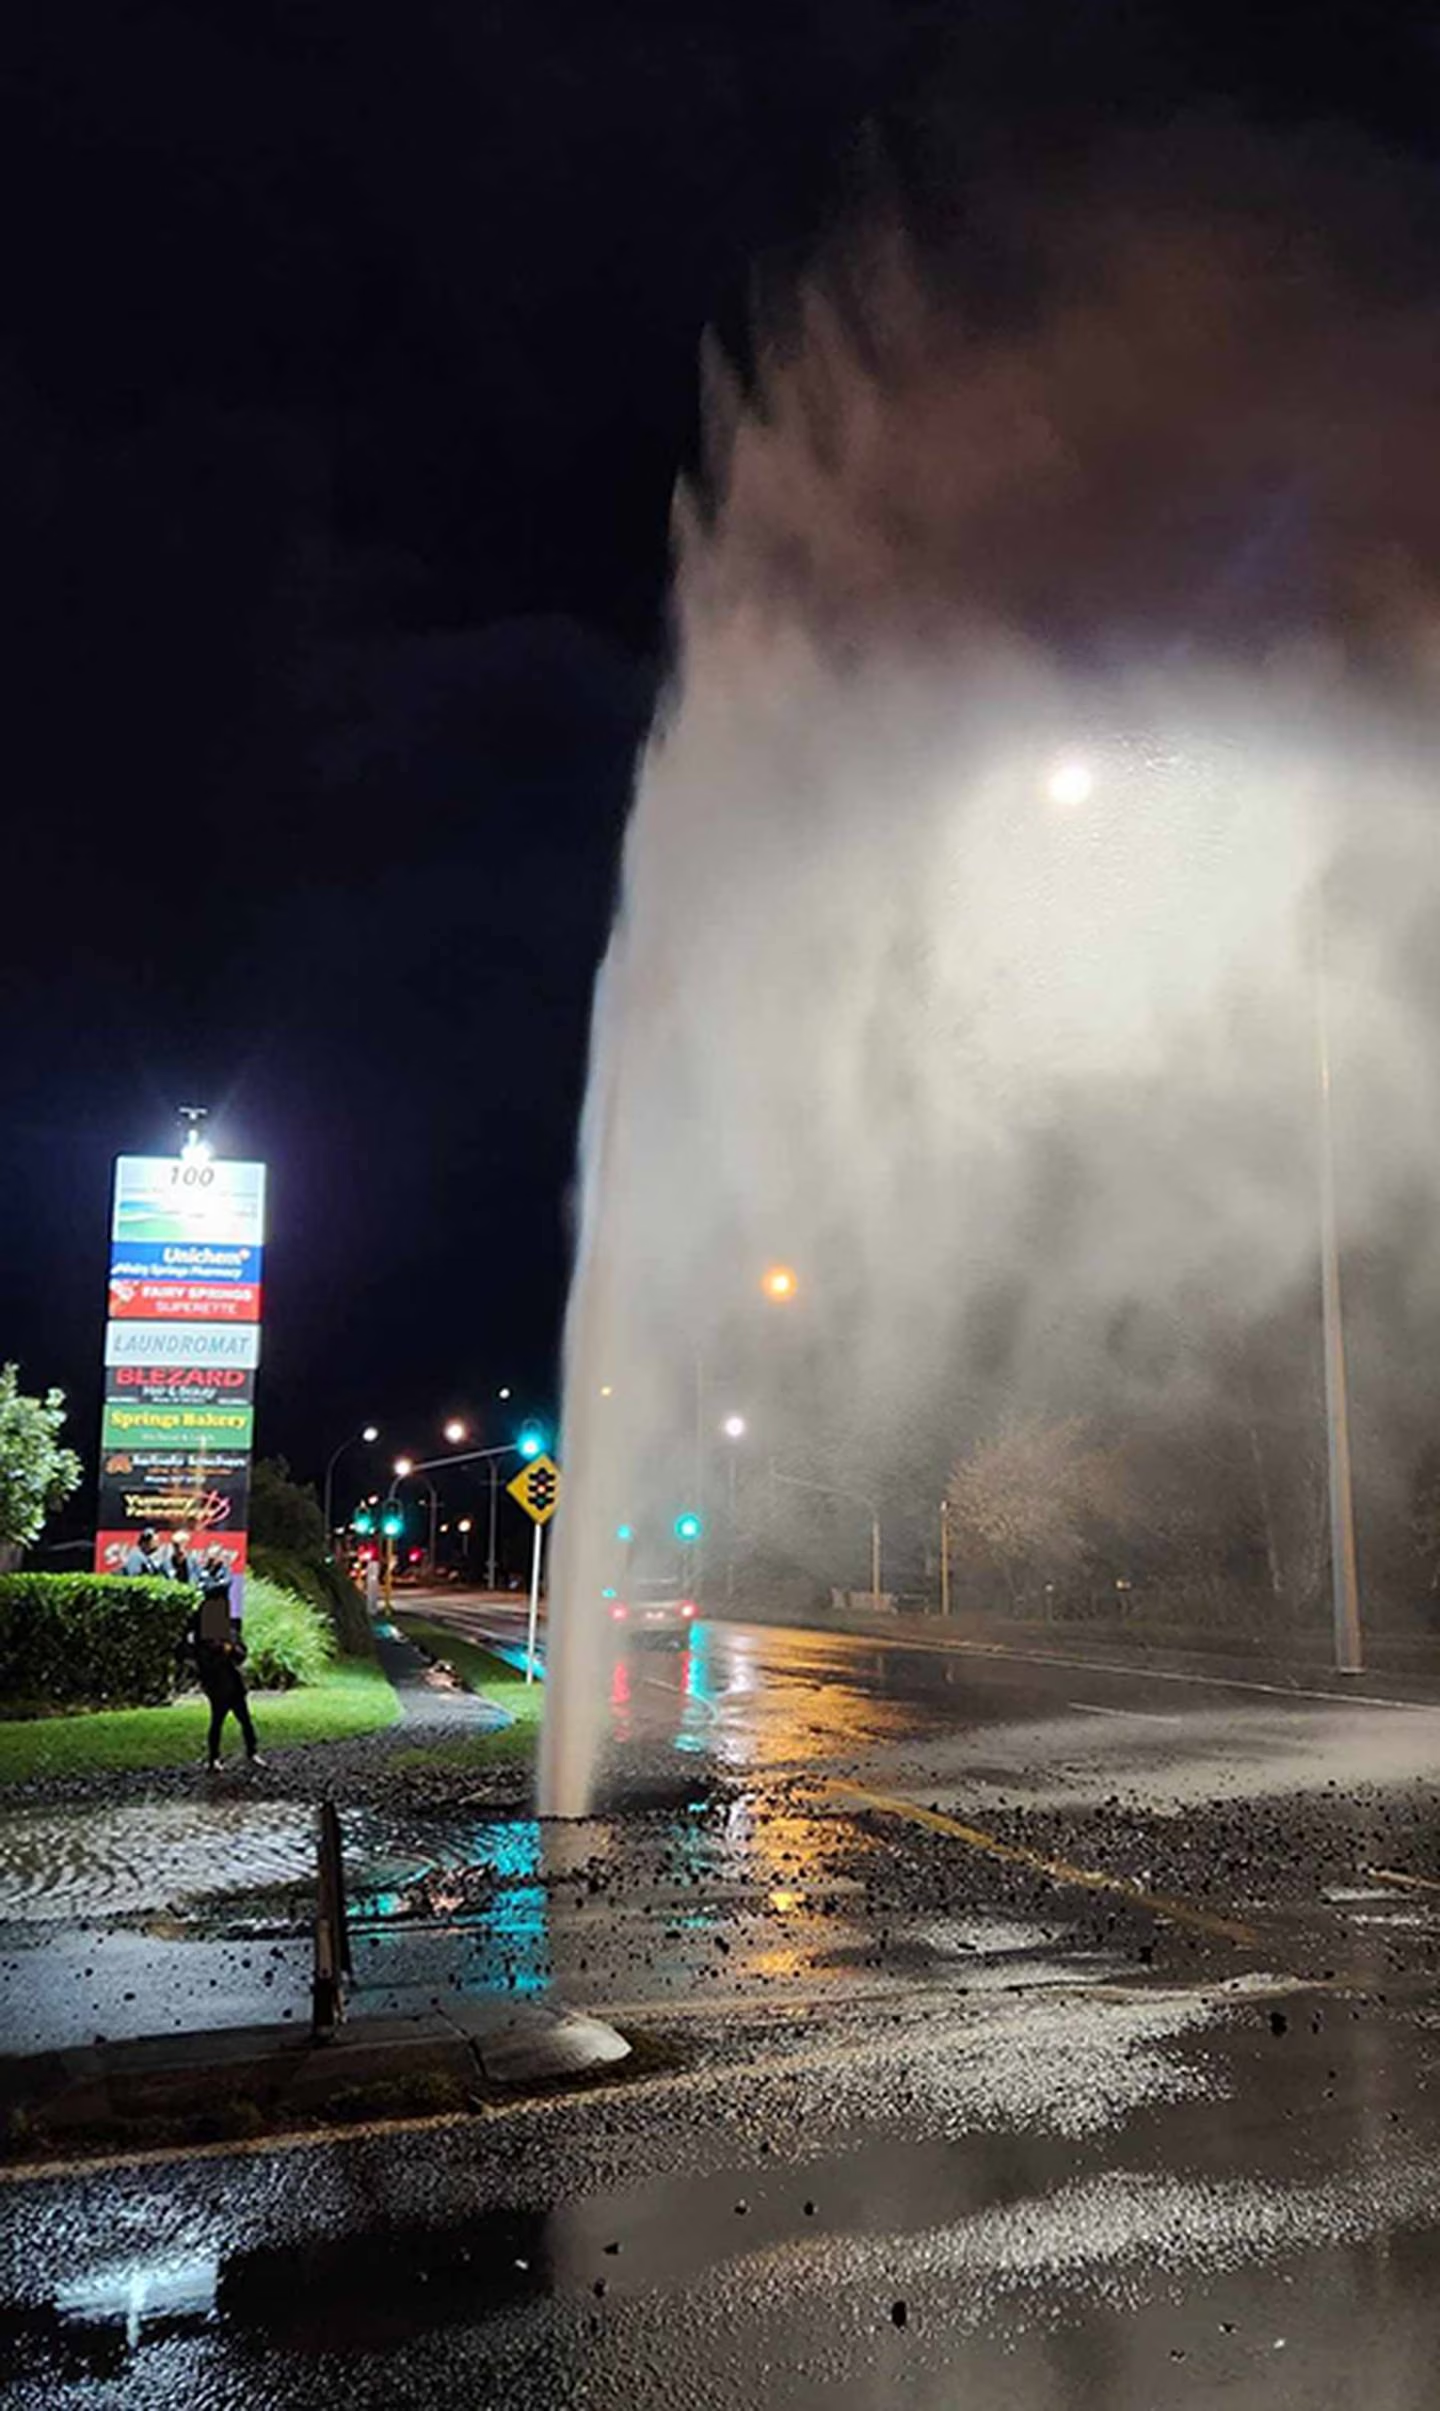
(617, 1613)
(687, 1607)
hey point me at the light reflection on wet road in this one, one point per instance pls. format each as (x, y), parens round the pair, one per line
(945, 2127)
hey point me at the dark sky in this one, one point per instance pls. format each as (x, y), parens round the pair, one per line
(347, 359)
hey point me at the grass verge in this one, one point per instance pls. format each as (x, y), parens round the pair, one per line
(351, 1697)
(481, 1671)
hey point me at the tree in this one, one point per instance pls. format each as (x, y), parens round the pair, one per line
(284, 1514)
(1036, 1499)
(37, 1475)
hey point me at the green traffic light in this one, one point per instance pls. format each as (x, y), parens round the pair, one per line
(688, 1527)
(393, 1525)
(362, 1521)
(531, 1442)
(624, 1531)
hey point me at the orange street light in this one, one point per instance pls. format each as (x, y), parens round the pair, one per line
(780, 1284)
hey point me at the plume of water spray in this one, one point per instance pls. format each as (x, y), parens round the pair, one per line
(1055, 647)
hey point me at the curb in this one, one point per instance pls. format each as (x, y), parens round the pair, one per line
(250, 2080)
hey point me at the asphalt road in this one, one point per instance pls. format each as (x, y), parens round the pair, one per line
(1041, 2032)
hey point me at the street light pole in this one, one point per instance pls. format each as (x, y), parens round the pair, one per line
(369, 1435)
(480, 1456)
(857, 1498)
(1344, 1571)
(945, 1557)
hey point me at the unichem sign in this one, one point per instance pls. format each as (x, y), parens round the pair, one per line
(182, 1344)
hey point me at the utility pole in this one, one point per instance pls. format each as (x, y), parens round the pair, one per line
(1344, 1570)
(945, 1557)
(857, 1498)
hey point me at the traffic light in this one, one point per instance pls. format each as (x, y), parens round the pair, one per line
(363, 1522)
(392, 1523)
(688, 1526)
(531, 1442)
(625, 1532)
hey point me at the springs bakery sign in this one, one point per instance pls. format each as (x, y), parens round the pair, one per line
(182, 1344)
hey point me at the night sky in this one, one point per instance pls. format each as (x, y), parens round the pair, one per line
(348, 359)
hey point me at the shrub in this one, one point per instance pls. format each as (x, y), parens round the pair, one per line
(287, 1639)
(102, 1637)
(328, 1587)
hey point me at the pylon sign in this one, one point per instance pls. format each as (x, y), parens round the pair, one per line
(536, 1488)
(182, 1344)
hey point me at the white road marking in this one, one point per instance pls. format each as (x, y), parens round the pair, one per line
(1149, 1716)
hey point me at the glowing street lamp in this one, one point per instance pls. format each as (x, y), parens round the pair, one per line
(456, 1431)
(369, 1435)
(779, 1284)
(1070, 784)
(403, 1466)
(734, 1429)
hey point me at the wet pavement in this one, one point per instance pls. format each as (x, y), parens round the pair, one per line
(1040, 2033)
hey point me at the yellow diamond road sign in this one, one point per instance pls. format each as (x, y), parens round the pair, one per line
(537, 1488)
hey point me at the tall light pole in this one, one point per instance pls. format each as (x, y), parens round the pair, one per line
(529, 1444)
(734, 1429)
(1344, 1571)
(857, 1498)
(368, 1436)
(945, 1556)
(406, 1470)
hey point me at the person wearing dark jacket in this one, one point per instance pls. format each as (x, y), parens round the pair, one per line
(213, 1639)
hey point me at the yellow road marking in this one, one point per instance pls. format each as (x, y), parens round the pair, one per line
(1086, 1879)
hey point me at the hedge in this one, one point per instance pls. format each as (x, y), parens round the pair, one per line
(328, 1587)
(287, 1639)
(100, 1637)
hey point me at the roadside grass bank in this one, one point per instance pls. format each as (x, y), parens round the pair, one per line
(490, 1677)
(351, 1696)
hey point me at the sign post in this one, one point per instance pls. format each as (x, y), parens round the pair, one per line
(182, 1344)
(536, 1488)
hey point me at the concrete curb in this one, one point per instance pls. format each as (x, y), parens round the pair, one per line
(244, 2080)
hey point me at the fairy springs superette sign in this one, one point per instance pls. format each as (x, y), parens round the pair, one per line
(182, 1345)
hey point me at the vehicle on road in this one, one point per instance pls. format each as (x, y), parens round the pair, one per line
(654, 1611)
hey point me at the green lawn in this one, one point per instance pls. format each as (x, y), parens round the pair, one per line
(479, 1670)
(353, 1696)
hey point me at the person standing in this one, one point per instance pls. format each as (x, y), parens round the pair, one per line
(181, 1567)
(213, 1639)
(146, 1557)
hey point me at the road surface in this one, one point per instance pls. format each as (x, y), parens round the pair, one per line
(1039, 2032)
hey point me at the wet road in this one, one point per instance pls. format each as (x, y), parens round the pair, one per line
(1044, 2033)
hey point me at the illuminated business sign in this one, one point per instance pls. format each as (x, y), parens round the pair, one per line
(136, 1423)
(180, 1385)
(181, 1347)
(184, 1301)
(186, 1202)
(203, 1497)
(145, 1344)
